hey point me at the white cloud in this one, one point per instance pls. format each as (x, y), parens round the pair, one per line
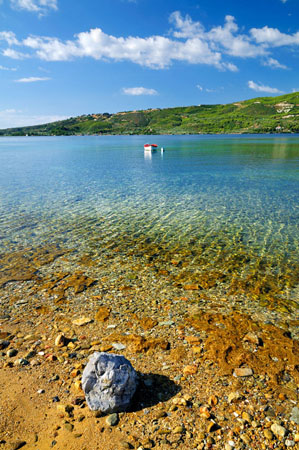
(188, 42)
(139, 91)
(262, 88)
(42, 69)
(222, 38)
(8, 111)
(274, 64)
(11, 117)
(209, 90)
(14, 54)
(231, 67)
(9, 37)
(155, 51)
(13, 69)
(185, 27)
(272, 37)
(38, 6)
(32, 79)
(295, 90)
(234, 44)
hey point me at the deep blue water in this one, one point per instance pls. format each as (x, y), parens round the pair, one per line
(224, 191)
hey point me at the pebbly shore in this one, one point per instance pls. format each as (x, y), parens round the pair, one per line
(216, 371)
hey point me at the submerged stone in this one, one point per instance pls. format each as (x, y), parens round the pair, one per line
(109, 382)
(295, 415)
(82, 321)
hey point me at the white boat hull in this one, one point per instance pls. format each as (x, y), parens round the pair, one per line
(150, 148)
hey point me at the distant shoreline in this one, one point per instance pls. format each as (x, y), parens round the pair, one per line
(287, 133)
(263, 115)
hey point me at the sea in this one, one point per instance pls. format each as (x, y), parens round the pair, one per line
(217, 215)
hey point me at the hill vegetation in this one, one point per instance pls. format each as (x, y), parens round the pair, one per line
(259, 115)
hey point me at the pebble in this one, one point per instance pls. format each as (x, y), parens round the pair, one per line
(60, 340)
(112, 419)
(213, 400)
(30, 354)
(4, 344)
(178, 430)
(212, 426)
(251, 337)
(68, 426)
(17, 445)
(118, 346)
(190, 370)
(160, 415)
(278, 430)
(228, 447)
(243, 372)
(204, 412)
(247, 417)
(295, 415)
(167, 323)
(289, 443)
(245, 438)
(126, 444)
(54, 378)
(41, 391)
(268, 434)
(66, 409)
(12, 352)
(233, 396)
(82, 321)
(77, 385)
(74, 373)
(21, 362)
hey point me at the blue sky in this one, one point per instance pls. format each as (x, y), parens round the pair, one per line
(63, 58)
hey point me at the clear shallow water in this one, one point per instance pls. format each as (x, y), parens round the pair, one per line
(225, 204)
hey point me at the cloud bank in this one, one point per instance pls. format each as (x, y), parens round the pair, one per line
(188, 42)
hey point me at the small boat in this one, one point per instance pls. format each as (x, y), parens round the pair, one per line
(150, 147)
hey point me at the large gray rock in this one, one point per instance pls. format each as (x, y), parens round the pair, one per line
(109, 382)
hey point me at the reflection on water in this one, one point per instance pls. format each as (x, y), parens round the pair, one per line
(220, 213)
(147, 155)
(280, 150)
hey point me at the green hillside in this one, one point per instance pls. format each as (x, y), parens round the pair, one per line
(259, 115)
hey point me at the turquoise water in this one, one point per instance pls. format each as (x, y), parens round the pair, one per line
(222, 203)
